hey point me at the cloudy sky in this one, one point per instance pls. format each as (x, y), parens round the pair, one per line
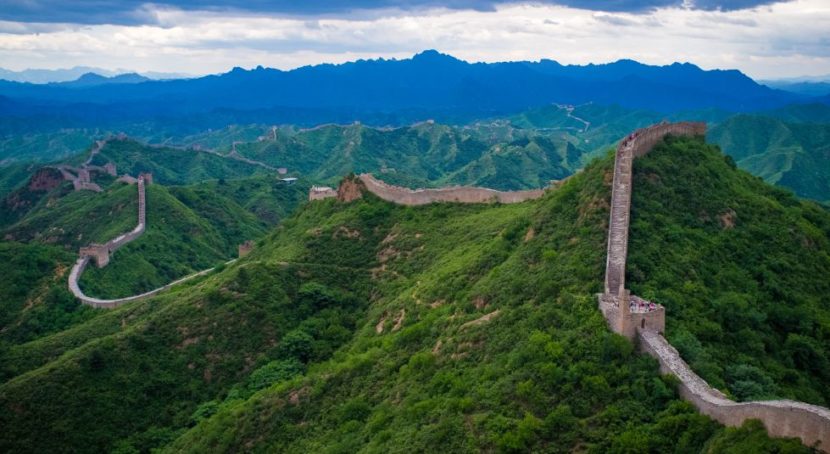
(765, 39)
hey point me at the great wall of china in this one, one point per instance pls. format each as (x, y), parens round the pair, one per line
(412, 197)
(101, 254)
(782, 418)
(462, 194)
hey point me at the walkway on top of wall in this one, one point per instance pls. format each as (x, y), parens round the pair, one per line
(782, 418)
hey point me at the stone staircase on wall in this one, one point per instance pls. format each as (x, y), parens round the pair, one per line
(782, 418)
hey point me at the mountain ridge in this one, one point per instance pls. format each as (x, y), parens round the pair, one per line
(429, 82)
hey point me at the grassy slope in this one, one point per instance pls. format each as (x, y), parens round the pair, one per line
(78, 218)
(350, 328)
(189, 228)
(740, 271)
(542, 374)
(13, 176)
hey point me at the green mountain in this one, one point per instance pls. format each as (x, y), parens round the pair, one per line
(36, 301)
(425, 154)
(596, 127)
(190, 228)
(793, 155)
(172, 165)
(446, 327)
(523, 150)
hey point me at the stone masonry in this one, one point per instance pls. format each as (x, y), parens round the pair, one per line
(460, 194)
(782, 418)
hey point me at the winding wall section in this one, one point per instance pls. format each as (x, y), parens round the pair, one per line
(782, 418)
(102, 251)
(462, 194)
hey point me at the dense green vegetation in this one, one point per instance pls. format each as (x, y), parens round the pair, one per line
(793, 155)
(35, 300)
(12, 176)
(45, 146)
(172, 165)
(368, 326)
(425, 154)
(76, 218)
(527, 149)
(740, 267)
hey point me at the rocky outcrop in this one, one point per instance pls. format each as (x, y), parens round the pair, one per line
(45, 179)
(350, 189)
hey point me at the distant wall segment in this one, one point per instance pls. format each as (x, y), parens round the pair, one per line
(101, 254)
(460, 194)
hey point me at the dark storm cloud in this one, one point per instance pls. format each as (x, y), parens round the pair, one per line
(133, 12)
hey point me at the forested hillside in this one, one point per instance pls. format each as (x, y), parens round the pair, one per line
(793, 155)
(369, 326)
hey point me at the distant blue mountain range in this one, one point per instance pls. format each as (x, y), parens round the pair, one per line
(429, 85)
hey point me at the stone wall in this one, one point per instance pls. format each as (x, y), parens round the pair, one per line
(635, 145)
(110, 246)
(78, 269)
(782, 418)
(461, 194)
(102, 252)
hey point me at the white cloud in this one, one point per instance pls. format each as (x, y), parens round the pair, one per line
(783, 39)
